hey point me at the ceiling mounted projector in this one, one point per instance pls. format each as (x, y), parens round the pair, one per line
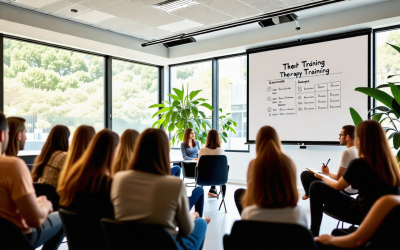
(278, 20)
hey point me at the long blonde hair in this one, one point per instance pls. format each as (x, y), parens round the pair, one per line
(94, 165)
(272, 175)
(125, 153)
(82, 137)
(375, 149)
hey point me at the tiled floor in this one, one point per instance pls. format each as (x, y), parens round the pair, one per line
(221, 222)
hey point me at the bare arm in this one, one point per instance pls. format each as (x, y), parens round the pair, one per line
(34, 210)
(368, 227)
(339, 185)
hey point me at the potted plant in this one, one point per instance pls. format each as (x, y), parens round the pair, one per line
(390, 112)
(184, 113)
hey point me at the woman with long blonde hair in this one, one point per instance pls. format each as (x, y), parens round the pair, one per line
(375, 174)
(85, 189)
(127, 145)
(82, 137)
(271, 193)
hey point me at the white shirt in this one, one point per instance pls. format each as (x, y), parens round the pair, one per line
(209, 151)
(292, 215)
(348, 155)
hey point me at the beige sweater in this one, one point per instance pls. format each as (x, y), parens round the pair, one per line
(151, 198)
(209, 151)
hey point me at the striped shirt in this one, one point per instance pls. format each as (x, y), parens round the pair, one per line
(53, 168)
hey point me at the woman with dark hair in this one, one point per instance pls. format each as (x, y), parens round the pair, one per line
(48, 165)
(162, 197)
(127, 145)
(82, 137)
(212, 147)
(271, 193)
(86, 187)
(17, 135)
(375, 174)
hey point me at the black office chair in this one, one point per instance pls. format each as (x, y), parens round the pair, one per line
(49, 191)
(11, 237)
(265, 235)
(83, 232)
(339, 218)
(212, 170)
(30, 166)
(134, 235)
(386, 237)
(189, 172)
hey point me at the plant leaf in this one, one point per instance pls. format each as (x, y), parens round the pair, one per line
(204, 134)
(190, 124)
(154, 124)
(174, 97)
(187, 111)
(234, 123)
(193, 94)
(225, 134)
(355, 116)
(398, 156)
(176, 103)
(161, 120)
(201, 99)
(173, 140)
(395, 108)
(220, 110)
(395, 91)
(166, 121)
(180, 124)
(223, 138)
(207, 106)
(157, 106)
(396, 140)
(394, 47)
(179, 93)
(393, 76)
(227, 114)
(208, 123)
(195, 111)
(173, 117)
(171, 127)
(204, 125)
(202, 114)
(195, 102)
(181, 135)
(167, 102)
(377, 117)
(380, 108)
(232, 130)
(161, 111)
(388, 129)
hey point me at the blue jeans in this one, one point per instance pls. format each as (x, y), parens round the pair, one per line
(197, 200)
(176, 170)
(195, 240)
(50, 233)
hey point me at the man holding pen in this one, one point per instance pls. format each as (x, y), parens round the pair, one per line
(346, 138)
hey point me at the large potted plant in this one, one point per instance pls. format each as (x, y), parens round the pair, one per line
(387, 114)
(184, 113)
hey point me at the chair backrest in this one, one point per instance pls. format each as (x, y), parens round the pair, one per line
(82, 231)
(188, 170)
(11, 237)
(212, 170)
(30, 166)
(266, 235)
(134, 235)
(49, 191)
(386, 235)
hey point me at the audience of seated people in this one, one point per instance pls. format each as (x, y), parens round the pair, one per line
(49, 163)
(33, 215)
(127, 144)
(140, 164)
(375, 173)
(212, 147)
(80, 141)
(17, 135)
(162, 197)
(85, 188)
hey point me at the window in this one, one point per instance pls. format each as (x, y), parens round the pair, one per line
(387, 59)
(196, 76)
(134, 89)
(233, 98)
(49, 86)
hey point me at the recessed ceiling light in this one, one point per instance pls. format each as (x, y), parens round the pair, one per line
(173, 5)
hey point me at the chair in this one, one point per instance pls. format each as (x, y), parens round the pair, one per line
(83, 232)
(30, 166)
(386, 235)
(49, 191)
(188, 172)
(11, 237)
(265, 235)
(340, 219)
(134, 235)
(212, 170)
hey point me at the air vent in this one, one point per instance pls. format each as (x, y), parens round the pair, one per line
(173, 5)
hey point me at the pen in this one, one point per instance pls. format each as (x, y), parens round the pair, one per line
(325, 165)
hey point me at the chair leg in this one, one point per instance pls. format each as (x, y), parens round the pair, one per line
(337, 226)
(223, 189)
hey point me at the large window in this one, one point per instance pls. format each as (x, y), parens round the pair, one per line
(387, 59)
(134, 89)
(49, 86)
(233, 98)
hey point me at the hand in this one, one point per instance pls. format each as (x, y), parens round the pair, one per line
(194, 159)
(324, 239)
(318, 176)
(195, 215)
(43, 202)
(325, 170)
(207, 219)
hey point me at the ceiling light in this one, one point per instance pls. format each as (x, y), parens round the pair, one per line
(179, 42)
(173, 5)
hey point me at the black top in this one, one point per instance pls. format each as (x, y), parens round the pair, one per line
(370, 186)
(94, 204)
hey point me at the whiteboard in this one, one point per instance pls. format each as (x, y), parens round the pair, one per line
(305, 92)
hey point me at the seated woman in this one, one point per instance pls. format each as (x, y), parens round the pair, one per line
(162, 197)
(190, 150)
(272, 194)
(82, 137)
(49, 164)
(265, 134)
(17, 135)
(367, 229)
(375, 173)
(86, 187)
(212, 147)
(125, 152)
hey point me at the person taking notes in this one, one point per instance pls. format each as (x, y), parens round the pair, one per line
(346, 137)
